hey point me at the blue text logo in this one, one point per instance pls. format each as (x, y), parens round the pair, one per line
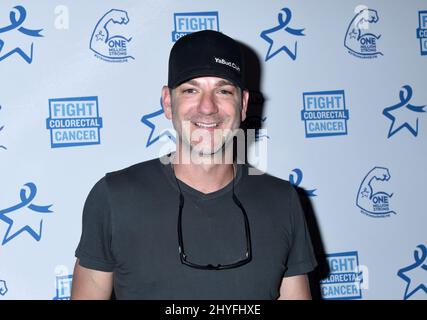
(63, 287)
(415, 275)
(24, 216)
(108, 40)
(422, 32)
(403, 114)
(17, 19)
(324, 113)
(344, 279)
(74, 122)
(189, 22)
(278, 36)
(372, 197)
(361, 39)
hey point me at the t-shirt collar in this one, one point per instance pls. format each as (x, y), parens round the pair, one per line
(168, 170)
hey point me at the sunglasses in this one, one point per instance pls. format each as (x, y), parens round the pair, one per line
(185, 259)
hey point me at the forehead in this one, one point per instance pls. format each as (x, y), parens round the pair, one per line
(216, 81)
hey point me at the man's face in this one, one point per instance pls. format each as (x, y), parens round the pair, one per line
(205, 112)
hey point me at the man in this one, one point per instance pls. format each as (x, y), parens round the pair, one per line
(194, 224)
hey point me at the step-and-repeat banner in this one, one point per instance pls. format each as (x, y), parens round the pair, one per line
(340, 93)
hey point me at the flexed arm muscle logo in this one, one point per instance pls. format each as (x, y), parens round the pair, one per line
(102, 39)
(358, 38)
(372, 202)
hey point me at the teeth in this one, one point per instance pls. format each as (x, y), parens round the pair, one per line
(206, 125)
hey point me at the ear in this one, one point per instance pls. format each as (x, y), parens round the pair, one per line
(166, 102)
(245, 99)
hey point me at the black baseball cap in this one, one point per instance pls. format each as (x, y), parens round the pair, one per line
(205, 53)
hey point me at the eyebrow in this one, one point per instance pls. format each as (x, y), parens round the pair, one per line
(225, 83)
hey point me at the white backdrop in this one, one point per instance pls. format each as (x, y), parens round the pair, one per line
(97, 68)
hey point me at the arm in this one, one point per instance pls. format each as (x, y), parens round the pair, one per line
(91, 284)
(295, 288)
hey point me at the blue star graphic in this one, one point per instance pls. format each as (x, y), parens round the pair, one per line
(20, 224)
(11, 232)
(27, 57)
(365, 193)
(353, 34)
(152, 138)
(99, 36)
(279, 33)
(403, 114)
(415, 273)
(17, 18)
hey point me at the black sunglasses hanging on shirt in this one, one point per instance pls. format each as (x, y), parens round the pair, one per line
(184, 258)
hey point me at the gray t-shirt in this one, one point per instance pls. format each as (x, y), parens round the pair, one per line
(130, 228)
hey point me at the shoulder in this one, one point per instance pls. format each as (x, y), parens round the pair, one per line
(274, 193)
(144, 166)
(266, 182)
(145, 171)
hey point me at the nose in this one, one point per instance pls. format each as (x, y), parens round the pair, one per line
(207, 104)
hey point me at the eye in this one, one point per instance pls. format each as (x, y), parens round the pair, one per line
(225, 92)
(189, 90)
(227, 89)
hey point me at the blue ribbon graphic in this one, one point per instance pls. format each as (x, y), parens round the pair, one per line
(15, 23)
(284, 18)
(405, 99)
(309, 193)
(26, 201)
(405, 95)
(283, 24)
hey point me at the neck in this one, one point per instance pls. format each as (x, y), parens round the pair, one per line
(204, 175)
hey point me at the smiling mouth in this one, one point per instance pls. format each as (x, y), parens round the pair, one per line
(206, 125)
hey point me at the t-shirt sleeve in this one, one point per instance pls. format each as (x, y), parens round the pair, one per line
(301, 258)
(94, 249)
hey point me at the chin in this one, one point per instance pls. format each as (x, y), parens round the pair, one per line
(206, 150)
